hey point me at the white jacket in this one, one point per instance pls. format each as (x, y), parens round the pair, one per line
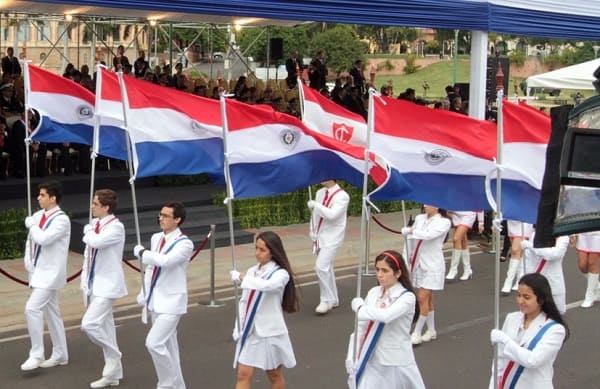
(51, 269)
(394, 347)
(109, 279)
(269, 320)
(538, 363)
(552, 269)
(432, 231)
(330, 233)
(170, 292)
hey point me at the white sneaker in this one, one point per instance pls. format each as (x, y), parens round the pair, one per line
(323, 308)
(104, 382)
(31, 363)
(429, 336)
(416, 338)
(53, 362)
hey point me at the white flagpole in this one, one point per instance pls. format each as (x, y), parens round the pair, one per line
(363, 221)
(300, 87)
(125, 101)
(229, 203)
(500, 144)
(27, 88)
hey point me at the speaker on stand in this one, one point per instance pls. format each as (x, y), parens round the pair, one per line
(276, 51)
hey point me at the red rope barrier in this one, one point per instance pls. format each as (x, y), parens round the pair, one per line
(384, 227)
(194, 254)
(23, 282)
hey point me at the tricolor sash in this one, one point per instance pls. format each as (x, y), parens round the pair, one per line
(37, 249)
(157, 269)
(93, 254)
(254, 300)
(512, 377)
(368, 343)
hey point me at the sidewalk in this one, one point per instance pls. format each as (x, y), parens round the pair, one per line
(295, 240)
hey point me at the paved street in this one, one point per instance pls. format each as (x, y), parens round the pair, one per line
(459, 358)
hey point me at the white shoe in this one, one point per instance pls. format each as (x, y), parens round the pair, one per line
(429, 336)
(588, 303)
(112, 368)
(323, 308)
(53, 362)
(104, 382)
(451, 274)
(31, 363)
(467, 275)
(416, 338)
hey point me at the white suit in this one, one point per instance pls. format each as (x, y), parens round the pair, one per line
(167, 302)
(392, 363)
(551, 268)
(328, 227)
(538, 363)
(47, 274)
(105, 282)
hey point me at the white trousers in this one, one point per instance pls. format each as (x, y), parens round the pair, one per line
(99, 325)
(324, 267)
(44, 302)
(162, 345)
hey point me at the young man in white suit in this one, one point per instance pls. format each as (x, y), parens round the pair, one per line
(103, 281)
(327, 230)
(46, 252)
(166, 292)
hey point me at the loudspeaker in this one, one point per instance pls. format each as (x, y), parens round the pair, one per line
(492, 69)
(276, 48)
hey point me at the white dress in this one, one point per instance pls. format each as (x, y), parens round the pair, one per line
(268, 345)
(588, 242)
(392, 364)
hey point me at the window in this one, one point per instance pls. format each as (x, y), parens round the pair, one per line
(43, 32)
(23, 32)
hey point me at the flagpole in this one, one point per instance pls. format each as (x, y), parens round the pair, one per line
(300, 87)
(125, 102)
(27, 140)
(500, 142)
(363, 219)
(229, 203)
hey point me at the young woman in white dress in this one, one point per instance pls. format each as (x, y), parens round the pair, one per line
(531, 338)
(268, 290)
(588, 255)
(385, 358)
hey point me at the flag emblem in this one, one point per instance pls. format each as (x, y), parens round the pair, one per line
(85, 112)
(289, 138)
(342, 132)
(436, 156)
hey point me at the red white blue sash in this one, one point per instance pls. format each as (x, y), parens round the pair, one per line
(37, 249)
(368, 343)
(94, 253)
(157, 269)
(254, 300)
(511, 376)
(415, 256)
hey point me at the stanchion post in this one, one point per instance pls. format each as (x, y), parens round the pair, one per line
(212, 303)
(367, 271)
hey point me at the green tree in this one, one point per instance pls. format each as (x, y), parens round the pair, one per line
(341, 46)
(253, 41)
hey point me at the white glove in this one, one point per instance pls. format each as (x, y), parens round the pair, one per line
(235, 276)
(526, 244)
(87, 228)
(29, 222)
(311, 204)
(356, 303)
(406, 230)
(137, 249)
(350, 367)
(497, 336)
(235, 335)
(141, 301)
(312, 236)
(497, 223)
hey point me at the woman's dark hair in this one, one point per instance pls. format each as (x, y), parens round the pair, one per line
(541, 288)
(396, 262)
(290, 302)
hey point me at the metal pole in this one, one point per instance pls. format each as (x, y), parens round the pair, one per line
(212, 303)
(367, 271)
(455, 57)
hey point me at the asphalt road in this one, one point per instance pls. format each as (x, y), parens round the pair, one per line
(459, 358)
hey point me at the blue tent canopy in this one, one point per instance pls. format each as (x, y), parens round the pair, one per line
(574, 19)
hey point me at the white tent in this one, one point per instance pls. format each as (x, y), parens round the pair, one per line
(579, 77)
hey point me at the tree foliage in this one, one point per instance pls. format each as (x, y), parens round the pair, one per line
(341, 46)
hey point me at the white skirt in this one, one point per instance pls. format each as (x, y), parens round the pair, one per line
(515, 230)
(390, 377)
(267, 353)
(463, 219)
(589, 242)
(428, 279)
